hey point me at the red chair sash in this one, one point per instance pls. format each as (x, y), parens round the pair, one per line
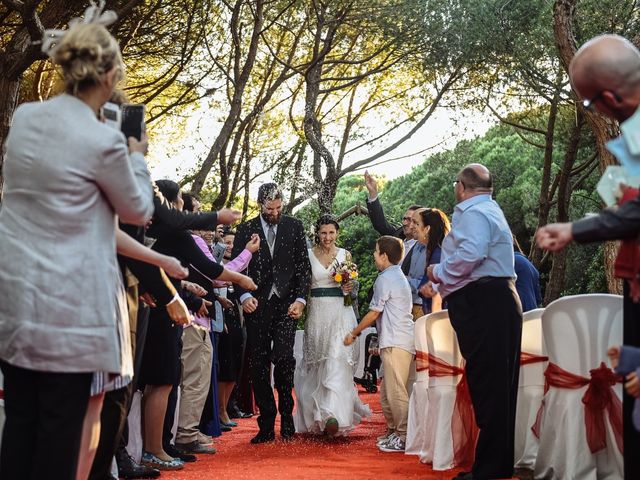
(527, 358)
(422, 361)
(464, 430)
(598, 398)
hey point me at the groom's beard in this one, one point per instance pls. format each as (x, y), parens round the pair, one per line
(271, 219)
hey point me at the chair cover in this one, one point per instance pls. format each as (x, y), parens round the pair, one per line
(441, 392)
(533, 361)
(577, 332)
(418, 406)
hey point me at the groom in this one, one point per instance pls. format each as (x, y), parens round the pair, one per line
(281, 270)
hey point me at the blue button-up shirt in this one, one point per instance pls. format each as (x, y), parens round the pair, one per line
(478, 245)
(416, 270)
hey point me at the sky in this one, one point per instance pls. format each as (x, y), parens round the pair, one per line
(173, 159)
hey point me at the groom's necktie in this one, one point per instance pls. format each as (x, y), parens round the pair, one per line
(271, 240)
(271, 237)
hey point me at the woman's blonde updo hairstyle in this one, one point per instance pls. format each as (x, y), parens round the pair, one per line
(87, 52)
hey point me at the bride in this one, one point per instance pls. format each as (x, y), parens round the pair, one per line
(327, 400)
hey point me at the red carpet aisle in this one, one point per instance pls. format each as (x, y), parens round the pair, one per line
(355, 457)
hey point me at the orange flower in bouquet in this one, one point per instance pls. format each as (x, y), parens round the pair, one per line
(343, 273)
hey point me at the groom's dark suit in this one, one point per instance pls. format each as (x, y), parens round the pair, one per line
(270, 330)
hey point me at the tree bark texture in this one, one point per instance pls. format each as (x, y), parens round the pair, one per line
(557, 277)
(604, 129)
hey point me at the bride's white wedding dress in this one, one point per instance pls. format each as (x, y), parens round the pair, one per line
(324, 377)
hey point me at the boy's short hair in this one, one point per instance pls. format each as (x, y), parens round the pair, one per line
(393, 247)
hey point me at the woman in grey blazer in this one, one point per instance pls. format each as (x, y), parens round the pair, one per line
(63, 313)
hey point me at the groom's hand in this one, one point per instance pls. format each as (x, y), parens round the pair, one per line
(296, 309)
(249, 305)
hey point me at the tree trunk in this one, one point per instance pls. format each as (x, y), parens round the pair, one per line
(241, 77)
(604, 129)
(556, 283)
(546, 195)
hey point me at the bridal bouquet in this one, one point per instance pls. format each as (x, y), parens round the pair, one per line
(343, 273)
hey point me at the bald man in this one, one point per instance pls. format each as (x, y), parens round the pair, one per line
(476, 277)
(605, 72)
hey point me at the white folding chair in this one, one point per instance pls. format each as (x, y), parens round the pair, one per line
(577, 332)
(441, 392)
(530, 388)
(418, 406)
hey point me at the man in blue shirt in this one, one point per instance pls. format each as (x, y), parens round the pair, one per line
(476, 277)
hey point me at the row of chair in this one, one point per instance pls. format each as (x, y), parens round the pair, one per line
(568, 419)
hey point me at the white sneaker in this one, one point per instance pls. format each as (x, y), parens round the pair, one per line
(385, 438)
(393, 445)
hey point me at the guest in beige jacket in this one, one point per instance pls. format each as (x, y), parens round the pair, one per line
(63, 311)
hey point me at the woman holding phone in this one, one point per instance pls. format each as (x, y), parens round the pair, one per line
(63, 317)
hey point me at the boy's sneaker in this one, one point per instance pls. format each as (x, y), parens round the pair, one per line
(385, 438)
(394, 444)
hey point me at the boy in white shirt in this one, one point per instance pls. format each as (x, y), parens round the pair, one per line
(390, 310)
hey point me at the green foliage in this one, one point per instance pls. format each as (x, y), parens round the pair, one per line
(516, 166)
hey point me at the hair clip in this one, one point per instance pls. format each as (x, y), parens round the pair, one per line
(93, 14)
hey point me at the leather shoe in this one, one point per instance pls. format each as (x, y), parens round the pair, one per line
(464, 476)
(264, 437)
(129, 468)
(235, 412)
(175, 453)
(194, 447)
(287, 428)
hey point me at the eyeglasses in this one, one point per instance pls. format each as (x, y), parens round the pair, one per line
(588, 103)
(455, 183)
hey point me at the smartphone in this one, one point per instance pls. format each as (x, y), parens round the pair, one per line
(111, 115)
(218, 251)
(132, 120)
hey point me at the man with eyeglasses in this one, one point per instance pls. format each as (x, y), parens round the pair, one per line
(476, 277)
(415, 260)
(605, 72)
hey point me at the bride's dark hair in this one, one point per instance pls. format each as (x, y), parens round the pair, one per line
(326, 219)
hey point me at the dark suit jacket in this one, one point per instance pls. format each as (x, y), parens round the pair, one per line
(383, 227)
(289, 268)
(152, 279)
(167, 219)
(379, 221)
(610, 224)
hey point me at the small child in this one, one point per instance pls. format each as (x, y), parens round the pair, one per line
(390, 309)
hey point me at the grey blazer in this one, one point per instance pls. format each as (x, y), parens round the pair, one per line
(67, 176)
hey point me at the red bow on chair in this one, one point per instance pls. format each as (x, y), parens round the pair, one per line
(464, 430)
(527, 358)
(598, 398)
